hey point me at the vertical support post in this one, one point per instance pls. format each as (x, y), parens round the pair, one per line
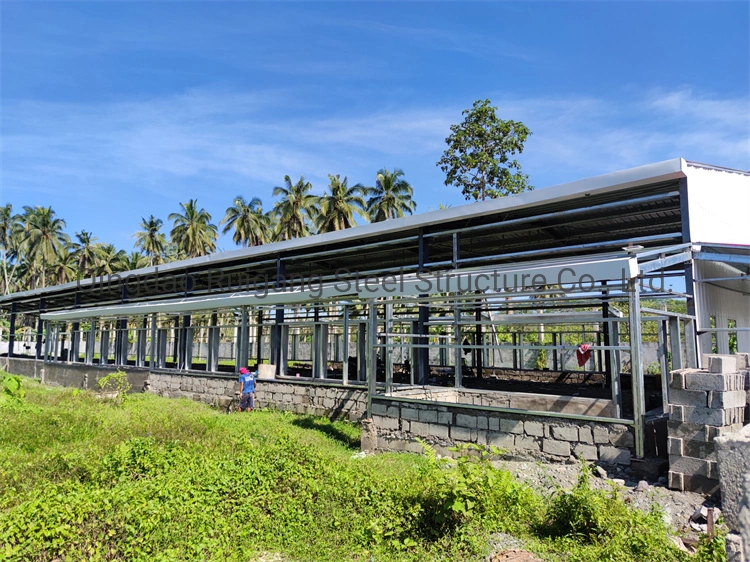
(259, 337)
(243, 338)
(140, 343)
(414, 357)
(283, 363)
(90, 343)
(187, 345)
(372, 356)
(479, 339)
(276, 343)
(387, 358)
(362, 351)
(514, 343)
(162, 348)
(39, 330)
(124, 344)
(104, 346)
(154, 351)
(12, 328)
(456, 251)
(176, 344)
(47, 340)
(458, 367)
(662, 356)
(614, 365)
(75, 334)
(212, 356)
(691, 343)
(555, 353)
(423, 353)
(636, 362)
(521, 363)
(607, 352)
(675, 343)
(345, 361)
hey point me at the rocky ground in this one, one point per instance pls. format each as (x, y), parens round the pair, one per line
(683, 511)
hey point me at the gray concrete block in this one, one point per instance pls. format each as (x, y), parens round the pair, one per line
(393, 411)
(744, 518)
(734, 548)
(526, 443)
(674, 446)
(565, 433)
(535, 429)
(690, 466)
(614, 455)
(707, 416)
(677, 379)
(728, 399)
(722, 364)
(734, 463)
(493, 424)
(429, 416)
(409, 413)
(511, 426)
(556, 448)
(622, 438)
(436, 430)
(585, 435)
(588, 452)
(463, 434)
(384, 422)
(688, 397)
(420, 428)
(445, 418)
(482, 422)
(466, 421)
(601, 435)
(501, 440)
(675, 481)
(702, 380)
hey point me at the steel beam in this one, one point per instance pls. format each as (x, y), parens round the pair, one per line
(636, 366)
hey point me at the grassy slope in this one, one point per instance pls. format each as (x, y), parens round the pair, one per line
(159, 479)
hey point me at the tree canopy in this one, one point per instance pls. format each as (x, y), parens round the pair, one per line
(479, 154)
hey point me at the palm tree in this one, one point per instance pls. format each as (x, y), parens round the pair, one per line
(135, 260)
(65, 267)
(296, 209)
(391, 197)
(193, 233)
(111, 260)
(11, 235)
(44, 238)
(337, 208)
(151, 241)
(251, 226)
(86, 251)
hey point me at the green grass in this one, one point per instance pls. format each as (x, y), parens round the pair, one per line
(158, 479)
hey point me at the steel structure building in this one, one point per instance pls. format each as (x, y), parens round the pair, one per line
(426, 291)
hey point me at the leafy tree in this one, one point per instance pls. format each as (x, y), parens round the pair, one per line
(11, 236)
(44, 238)
(151, 241)
(478, 157)
(193, 233)
(135, 260)
(296, 209)
(86, 252)
(65, 268)
(338, 207)
(111, 260)
(391, 197)
(252, 227)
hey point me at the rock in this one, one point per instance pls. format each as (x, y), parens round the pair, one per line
(618, 481)
(700, 527)
(677, 541)
(642, 486)
(663, 481)
(600, 472)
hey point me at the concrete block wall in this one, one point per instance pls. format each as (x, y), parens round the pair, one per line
(704, 404)
(334, 401)
(733, 452)
(396, 425)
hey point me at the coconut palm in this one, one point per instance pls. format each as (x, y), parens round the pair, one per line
(338, 207)
(251, 226)
(296, 209)
(86, 251)
(111, 260)
(65, 268)
(11, 236)
(44, 239)
(151, 241)
(193, 233)
(391, 197)
(135, 260)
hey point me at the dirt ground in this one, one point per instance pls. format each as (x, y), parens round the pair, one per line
(678, 507)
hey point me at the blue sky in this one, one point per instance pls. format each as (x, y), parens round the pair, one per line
(114, 110)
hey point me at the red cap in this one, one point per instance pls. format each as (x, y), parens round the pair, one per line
(243, 371)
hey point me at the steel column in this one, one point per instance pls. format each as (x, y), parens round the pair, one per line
(39, 330)
(12, 328)
(636, 365)
(345, 361)
(662, 356)
(90, 343)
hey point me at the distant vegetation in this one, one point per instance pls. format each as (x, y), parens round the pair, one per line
(36, 250)
(148, 478)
